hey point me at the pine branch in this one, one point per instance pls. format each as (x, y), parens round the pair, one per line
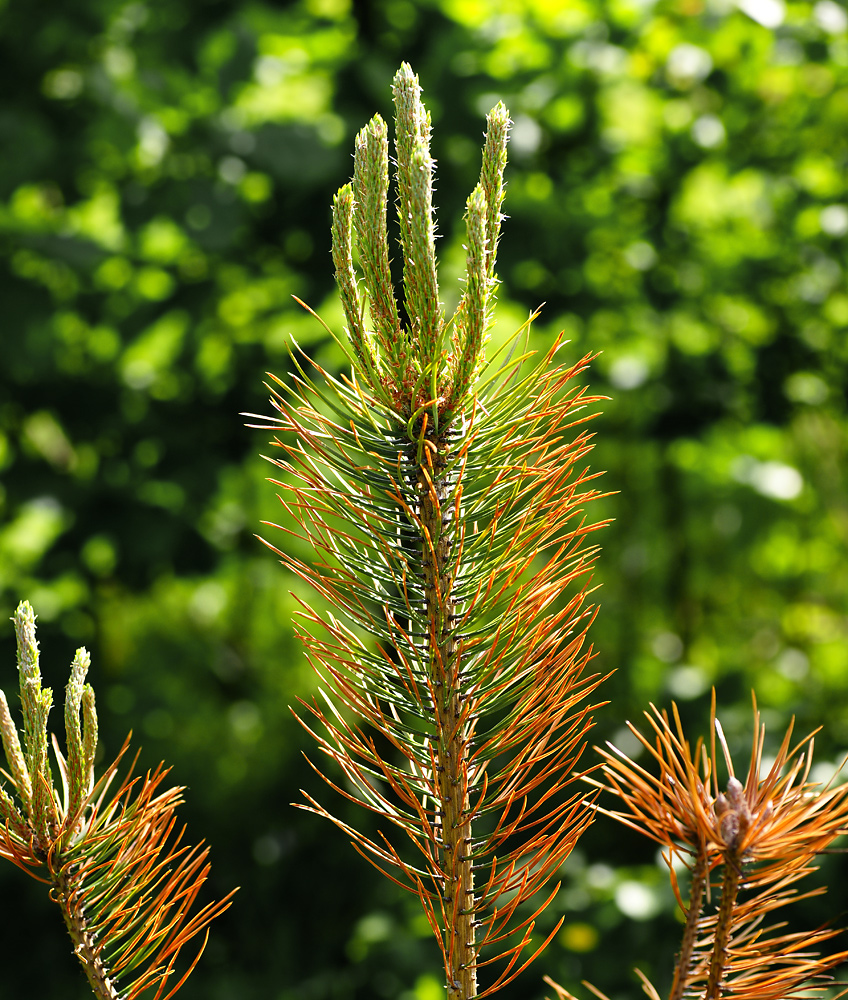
(760, 837)
(444, 504)
(112, 858)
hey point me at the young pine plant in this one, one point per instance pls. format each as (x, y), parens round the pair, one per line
(109, 850)
(442, 493)
(443, 496)
(744, 849)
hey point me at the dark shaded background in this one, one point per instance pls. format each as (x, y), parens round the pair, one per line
(677, 198)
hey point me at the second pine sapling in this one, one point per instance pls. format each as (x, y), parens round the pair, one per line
(109, 850)
(743, 850)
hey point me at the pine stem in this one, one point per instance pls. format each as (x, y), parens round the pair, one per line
(84, 945)
(690, 931)
(452, 727)
(724, 924)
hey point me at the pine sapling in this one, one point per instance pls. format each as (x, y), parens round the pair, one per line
(745, 848)
(442, 492)
(109, 850)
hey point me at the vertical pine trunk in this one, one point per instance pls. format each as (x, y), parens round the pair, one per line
(453, 728)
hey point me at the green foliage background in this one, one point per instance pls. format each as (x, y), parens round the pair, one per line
(677, 198)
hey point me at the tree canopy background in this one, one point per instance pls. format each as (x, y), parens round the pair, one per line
(676, 197)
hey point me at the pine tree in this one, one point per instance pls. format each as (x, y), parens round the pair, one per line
(108, 849)
(443, 494)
